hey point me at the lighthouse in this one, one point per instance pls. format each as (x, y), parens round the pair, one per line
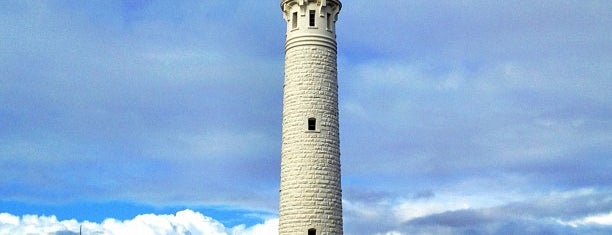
(310, 188)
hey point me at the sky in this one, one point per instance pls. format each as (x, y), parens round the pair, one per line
(456, 117)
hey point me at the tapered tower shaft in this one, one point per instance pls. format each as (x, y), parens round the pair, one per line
(310, 192)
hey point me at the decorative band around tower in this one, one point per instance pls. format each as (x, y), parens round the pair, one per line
(311, 40)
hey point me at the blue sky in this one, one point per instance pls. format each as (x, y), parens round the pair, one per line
(457, 117)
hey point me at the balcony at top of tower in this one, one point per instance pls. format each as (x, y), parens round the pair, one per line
(311, 16)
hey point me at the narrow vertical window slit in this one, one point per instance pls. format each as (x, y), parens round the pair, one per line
(294, 20)
(312, 18)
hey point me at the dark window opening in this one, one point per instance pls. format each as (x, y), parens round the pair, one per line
(312, 231)
(329, 21)
(312, 124)
(312, 18)
(294, 20)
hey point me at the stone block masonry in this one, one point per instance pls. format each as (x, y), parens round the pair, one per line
(311, 195)
(310, 187)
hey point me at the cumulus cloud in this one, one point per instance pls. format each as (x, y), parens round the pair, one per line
(270, 226)
(183, 222)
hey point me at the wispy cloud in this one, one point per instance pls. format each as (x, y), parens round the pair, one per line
(567, 212)
(160, 93)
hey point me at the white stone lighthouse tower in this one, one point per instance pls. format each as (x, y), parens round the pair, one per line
(310, 192)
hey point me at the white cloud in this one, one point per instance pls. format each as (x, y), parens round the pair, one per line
(183, 222)
(409, 210)
(270, 226)
(449, 212)
(33, 224)
(601, 219)
(605, 219)
(390, 233)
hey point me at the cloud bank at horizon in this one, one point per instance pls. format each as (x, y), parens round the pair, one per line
(183, 222)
